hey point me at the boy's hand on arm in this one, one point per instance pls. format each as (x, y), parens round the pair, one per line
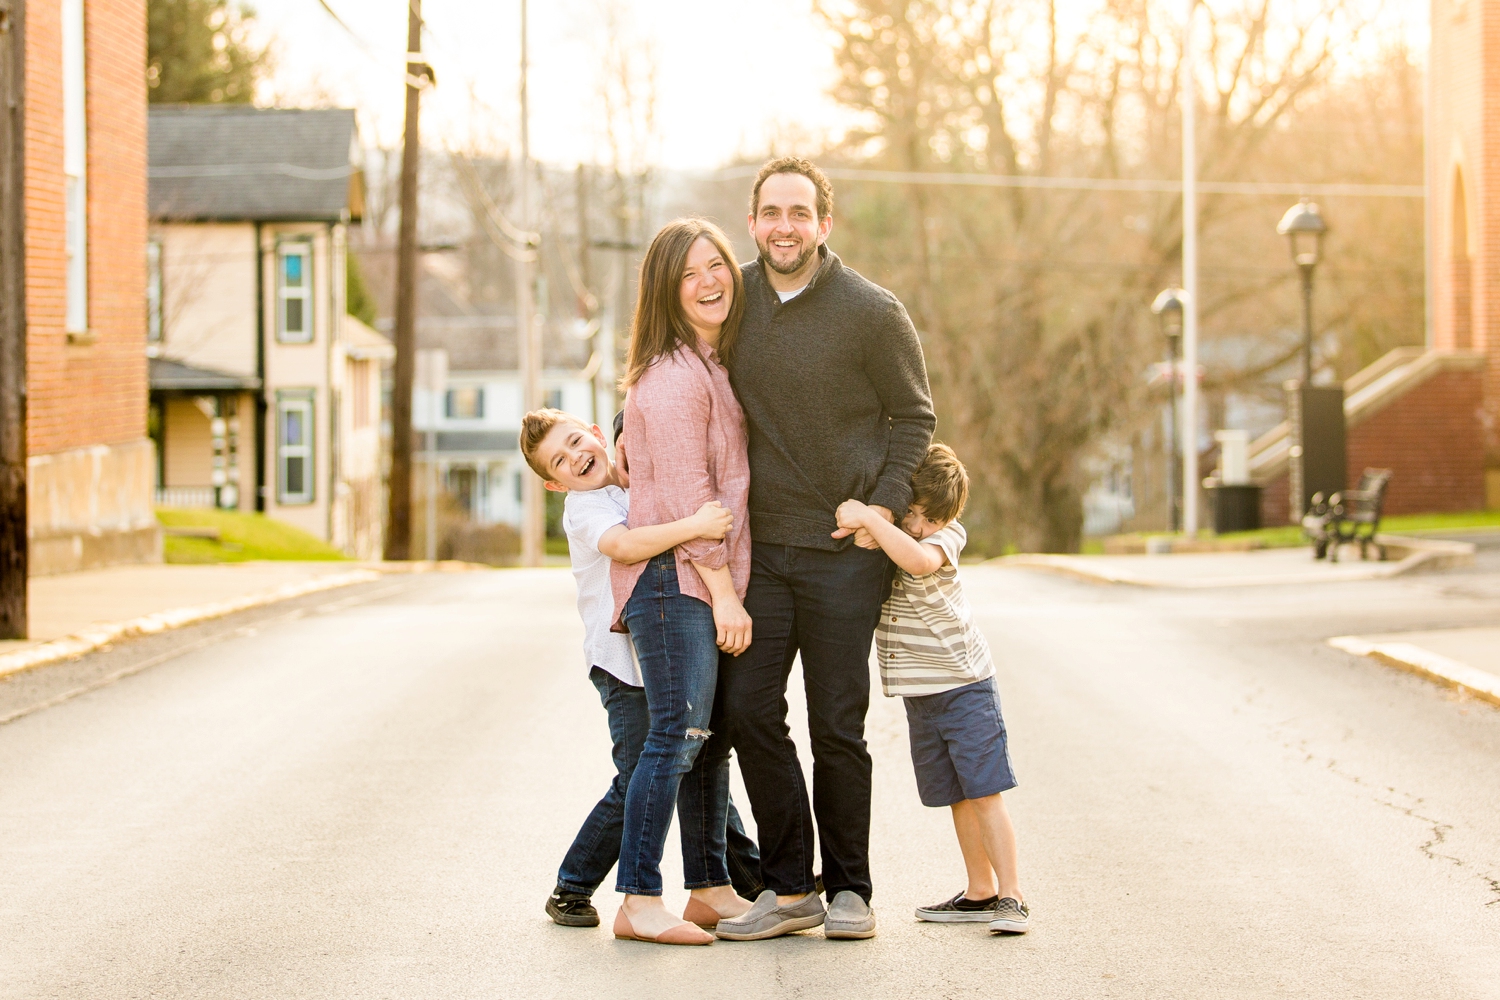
(713, 520)
(905, 551)
(853, 518)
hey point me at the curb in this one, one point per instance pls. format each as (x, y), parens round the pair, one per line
(1420, 554)
(1434, 666)
(92, 639)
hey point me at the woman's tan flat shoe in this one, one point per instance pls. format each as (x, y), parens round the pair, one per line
(681, 934)
(700, 913)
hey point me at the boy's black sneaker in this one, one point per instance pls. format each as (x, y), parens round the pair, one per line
(1011, 916)
(572, 909)
(960, 910)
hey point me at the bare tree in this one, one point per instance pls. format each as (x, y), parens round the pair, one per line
(1031, 303)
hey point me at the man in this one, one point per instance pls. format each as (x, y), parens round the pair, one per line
(830, 374)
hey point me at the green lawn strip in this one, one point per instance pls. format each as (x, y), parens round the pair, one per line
(1291, 536)
(242, 537)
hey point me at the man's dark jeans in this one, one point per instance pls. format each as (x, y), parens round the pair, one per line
(597, 846)
(824, 605)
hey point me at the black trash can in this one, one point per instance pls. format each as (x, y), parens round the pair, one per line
(1236, 508)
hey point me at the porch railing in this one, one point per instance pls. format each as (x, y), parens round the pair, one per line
(185, 496)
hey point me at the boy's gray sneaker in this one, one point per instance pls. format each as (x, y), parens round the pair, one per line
(960, 910)
(767, 920)
(1011, 917)
(849, 916)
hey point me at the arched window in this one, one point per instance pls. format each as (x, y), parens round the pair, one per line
(1462, 280)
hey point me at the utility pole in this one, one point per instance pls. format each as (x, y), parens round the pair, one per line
(1189, 96)
(13, 552)
(398, 522)
(528, 337)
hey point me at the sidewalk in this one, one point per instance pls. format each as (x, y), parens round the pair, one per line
(1262, 567)
(77, 613)
(1465, 658)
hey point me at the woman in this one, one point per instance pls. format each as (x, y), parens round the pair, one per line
(685, 435)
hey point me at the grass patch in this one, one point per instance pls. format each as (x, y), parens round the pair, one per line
(1291, 536)
(557, 546)
(1442, 522)
(242, 537)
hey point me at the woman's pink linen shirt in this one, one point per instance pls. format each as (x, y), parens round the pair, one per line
(686, 444)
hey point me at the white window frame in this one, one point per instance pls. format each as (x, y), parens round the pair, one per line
(299, 401)
(300, 248)
(75, 167)
(154, 328)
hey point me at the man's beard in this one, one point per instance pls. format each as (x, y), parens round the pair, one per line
(808, 249)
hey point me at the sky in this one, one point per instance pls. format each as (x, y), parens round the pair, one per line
(730, 74)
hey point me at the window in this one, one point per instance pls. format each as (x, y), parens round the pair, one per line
(465, 403)
(294, 306)
(153, 292)
(294, 447)
(552, 399)
(75, 167)
(359, 383)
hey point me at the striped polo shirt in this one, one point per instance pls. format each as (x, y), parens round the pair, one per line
(927, 642)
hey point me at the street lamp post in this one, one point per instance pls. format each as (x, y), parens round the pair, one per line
(1315, 414)
(1169, 307)
(1303, 227)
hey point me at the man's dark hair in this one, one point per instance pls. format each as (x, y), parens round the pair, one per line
(795, 165)
(941, 484)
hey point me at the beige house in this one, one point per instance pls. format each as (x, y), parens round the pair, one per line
(265, 395)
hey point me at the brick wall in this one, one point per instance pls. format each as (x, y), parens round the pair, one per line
(1464, 139)
(1430, 438)
(87, 393)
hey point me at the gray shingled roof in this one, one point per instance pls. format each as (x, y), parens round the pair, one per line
(169, 374)
(218, 162)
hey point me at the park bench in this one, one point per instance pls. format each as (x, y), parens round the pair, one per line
(1347, 517)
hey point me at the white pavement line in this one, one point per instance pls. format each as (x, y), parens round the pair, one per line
(1417, 660)
(99, 636)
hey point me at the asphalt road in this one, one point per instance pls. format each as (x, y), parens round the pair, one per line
(366, 794)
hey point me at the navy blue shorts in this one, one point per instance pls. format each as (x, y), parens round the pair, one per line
(958, 744)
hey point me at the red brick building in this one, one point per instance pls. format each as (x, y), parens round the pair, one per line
(91, 466)
(1433, 416)
(1463, 159)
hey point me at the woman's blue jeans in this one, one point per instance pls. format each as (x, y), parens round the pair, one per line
(683, 766)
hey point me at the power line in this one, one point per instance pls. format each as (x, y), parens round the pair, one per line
(1122, 185)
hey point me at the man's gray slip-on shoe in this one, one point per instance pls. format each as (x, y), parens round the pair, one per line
(767, 920)
(849, 917)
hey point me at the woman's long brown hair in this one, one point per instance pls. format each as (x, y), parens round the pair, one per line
(660, 327)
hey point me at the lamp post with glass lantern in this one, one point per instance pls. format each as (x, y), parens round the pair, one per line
(1315, 414)
(1169, 307)
(1304, 228)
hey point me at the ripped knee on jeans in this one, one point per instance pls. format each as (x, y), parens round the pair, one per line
(694, 733)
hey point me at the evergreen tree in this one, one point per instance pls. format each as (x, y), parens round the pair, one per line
(199, 52)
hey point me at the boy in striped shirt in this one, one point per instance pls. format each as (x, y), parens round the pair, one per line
(933, 656)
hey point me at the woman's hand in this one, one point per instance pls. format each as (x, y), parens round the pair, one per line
(713, 520)
(733, 625)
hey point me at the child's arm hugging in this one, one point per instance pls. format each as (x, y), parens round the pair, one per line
(632, 545)
(905, 551)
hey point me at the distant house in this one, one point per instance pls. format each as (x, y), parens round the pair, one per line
(476, 424)
(265, 395)
(89, 460)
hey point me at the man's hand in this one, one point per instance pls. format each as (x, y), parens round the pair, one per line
(862, 538)
(713, 520)
(732, 622)
(622, 464)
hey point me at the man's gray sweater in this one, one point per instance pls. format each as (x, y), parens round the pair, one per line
(835, 394)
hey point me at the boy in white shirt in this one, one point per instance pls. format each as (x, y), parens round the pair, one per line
(571, 458)
(932, 655)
